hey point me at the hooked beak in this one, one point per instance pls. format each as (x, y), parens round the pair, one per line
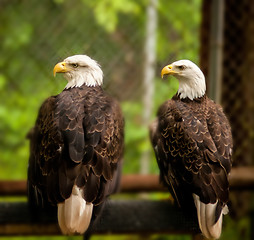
(60, 68)
(167, 70)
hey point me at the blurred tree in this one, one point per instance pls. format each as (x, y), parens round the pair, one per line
(111, 32)
(34, 35)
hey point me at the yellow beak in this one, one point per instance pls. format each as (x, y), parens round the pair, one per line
(60, 68)
(167, 70)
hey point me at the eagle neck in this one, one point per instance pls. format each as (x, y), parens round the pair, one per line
(84, 87)
(89, 79)
(188, 100)
(192, 87)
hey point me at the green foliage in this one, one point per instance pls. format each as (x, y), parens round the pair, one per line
(136, 135)
(26, 70)
(36, 34)
(107, 11)
(180, 39)
(236, 229)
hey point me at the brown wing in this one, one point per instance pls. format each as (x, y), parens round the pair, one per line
(45, 155)
(193, 152)
(77, 139)
(103, 123)
(220, 131)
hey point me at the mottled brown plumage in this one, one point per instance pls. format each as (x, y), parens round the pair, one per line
(193, 146)
(77, 140)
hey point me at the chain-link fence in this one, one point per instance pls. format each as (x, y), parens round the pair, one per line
(237, 87)
(238, 72)
(36, 35)
(46, 32)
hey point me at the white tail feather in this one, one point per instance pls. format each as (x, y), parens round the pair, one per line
(74, 214)
(206, 218)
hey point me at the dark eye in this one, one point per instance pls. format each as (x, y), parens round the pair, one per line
(75, 65)
(181, 67)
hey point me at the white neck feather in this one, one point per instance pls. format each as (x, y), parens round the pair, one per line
(191, 83)
(191, 88)
(90, 76)
(90, 79)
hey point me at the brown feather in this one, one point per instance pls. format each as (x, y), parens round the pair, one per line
(77, 139)
(193, 145)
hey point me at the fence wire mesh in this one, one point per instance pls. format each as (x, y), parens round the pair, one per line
(36, 35)
(237, 85)
(238, 92)
(60, 29)
(237, 79)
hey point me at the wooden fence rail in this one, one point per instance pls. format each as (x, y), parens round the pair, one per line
(241, 178)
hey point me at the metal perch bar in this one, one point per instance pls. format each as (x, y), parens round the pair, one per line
(118, 217)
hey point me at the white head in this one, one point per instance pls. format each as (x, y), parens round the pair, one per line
(79, 70)
(190, 77)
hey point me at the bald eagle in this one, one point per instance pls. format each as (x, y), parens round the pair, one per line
(192, 141)
(76, 146)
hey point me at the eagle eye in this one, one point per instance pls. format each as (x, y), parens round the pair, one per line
(181, 67)
(75, 65)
